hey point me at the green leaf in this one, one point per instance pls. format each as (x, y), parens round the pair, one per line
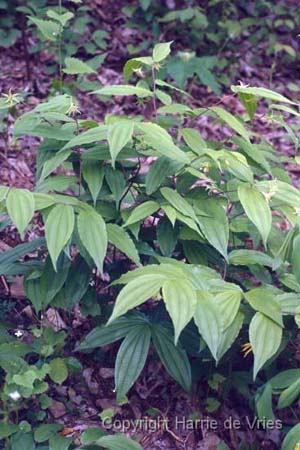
(108, 334)
(250, 103)
(291, 439)
(261, 92)
(166, 236)
(58, 230)
(3, 192)
(119, 134)
(131, 359)
(194, 140)
(295, 257)
(229, 335)
(117, 442)
(284, 379)
(20, 207)
(159, 170)
(90, 435)
(180, 299)
(174, 358)
(142, 212)
(264, 301)
(57, 442)
(257, 209)
(22, 440)
(92, 232)
(231, 121)
(228, 303)
(124, 90)
(77, 282)
(8, 258)
(95, 134)
(32, 289)
(249, 258)
(265, 338)
(7, 429)
(61, 18)
(93, 174)
(44, 432)
(179, 202)
(161, 51)
(215, 225)
(208, 321)
(75, 66)
(263, 403)
(290, 394)
(49, 29)
(137, 292)
(159, 139)
(52, 163)
(58, 370)
(121, 240)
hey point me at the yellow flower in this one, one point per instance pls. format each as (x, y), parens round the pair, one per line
(246, 349)
(297, 446)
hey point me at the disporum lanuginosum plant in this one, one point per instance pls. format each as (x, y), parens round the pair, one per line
(182, 223)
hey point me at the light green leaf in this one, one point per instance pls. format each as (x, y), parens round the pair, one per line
(52, 163)
(44, 432)
(3, 192)
(159, 170)
(289, 395)
(88, 137)
(61, 18)
(119, 134)
(92, 232)
(292, 439)
(264, 301)
(137, 292)
(93, 173)
(265, 338)
(120, 239)
(174, 358)
(249, 258)
(194, 140)
(208, 321)
(295, 257)
(124, 90)
(142, 212)
(229, 335)
(250, 103)
(257, 209)
(261, 92)
(131, 359)
(215, 225)
(57, 442)
(161, 51)
(159, 139)
(179, 202)
(20, 207)
(228, 303)
(49, 29)
(231, 121)
(180, 299)
(7, 429)
(75, 66)
(58, 370)
(58, 230)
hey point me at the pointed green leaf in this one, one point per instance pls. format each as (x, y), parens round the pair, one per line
(120, 239)
(292, 439)
(92, 232)
(174, 358)
(231, 121)
(142, 212)
(265, 338)
(119, 134)
(124, 90)
(261, 92)
(93, 173)
(264, 301)
(194, 140)
(87, 137)
(131, 359)
(75, 66)
(58, 370)
(49, 29)
(58, 230)
(137, 292)
(257, 209)
(289, 395)
(208, 321)
(229, 335)
(161, 51)
(159, 170)
(180, 299)
(20, 207)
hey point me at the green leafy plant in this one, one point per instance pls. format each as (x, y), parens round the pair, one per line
(173, 236)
